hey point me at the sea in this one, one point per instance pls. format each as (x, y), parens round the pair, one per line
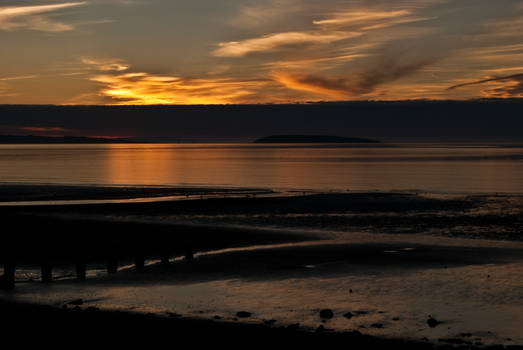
(439, 168)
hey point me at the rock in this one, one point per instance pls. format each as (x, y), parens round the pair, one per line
(77, 308)
(494, 347)
(326, 314)
(294, 327)
(76, 302)
(451, 340)
(445, 347)
(348, 315)
(466, 335)
(320, 329)
(395, 318)
(216, 317)
(173, 314)
(269, 322)
(92, 309)
(243, 314)
(432, 322)
(377, 325)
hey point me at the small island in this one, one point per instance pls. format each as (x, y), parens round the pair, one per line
(312, 139)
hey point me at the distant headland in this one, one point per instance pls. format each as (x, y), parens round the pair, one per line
(312, 139)
(33, 139)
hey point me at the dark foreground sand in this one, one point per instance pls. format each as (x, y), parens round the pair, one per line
(63, 234)
(53, 327)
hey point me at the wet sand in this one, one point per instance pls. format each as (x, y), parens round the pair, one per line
(388, 259)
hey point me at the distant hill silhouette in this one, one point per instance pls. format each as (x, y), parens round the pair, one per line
(28, 139)
(312, 139)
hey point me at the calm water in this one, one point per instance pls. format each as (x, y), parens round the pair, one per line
(433, 168)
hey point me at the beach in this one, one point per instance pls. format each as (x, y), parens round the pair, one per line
(383, 263)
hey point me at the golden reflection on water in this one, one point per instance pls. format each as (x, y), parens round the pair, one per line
(322, 167)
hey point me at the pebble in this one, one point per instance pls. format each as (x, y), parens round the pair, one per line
(432, 322)
(326, 314)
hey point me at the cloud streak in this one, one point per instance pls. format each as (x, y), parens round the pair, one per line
(503, 87)
(20, 77)
(273, 41)
(35, 17)
(353, 86)
(107, 64)
(341, 26)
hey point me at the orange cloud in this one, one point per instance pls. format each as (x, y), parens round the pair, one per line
(143, 88)
(362, 84)
(335, 89)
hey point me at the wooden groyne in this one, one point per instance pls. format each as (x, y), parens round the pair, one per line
(50, 241)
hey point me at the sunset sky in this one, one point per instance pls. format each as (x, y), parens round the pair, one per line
(260, 51)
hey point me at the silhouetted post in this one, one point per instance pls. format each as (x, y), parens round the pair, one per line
(139, 262)
(112, 265)
(9, 275)
(189, 253)
(47, 272)
(81, 269)
(164, 259)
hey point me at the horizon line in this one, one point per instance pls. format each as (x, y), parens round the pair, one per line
(480, 99)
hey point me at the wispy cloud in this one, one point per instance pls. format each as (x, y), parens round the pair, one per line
(318, 62)
(340, 26)
(506, 86)
(106, 64)
(353, 86)
(273, 41)
(361, 18)
(35, 17)
(20, 77)
(45, 130)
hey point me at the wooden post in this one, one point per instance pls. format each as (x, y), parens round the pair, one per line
(47, 272)
(164, 259)
(139, 262)
(189, 254)
(112, 265)
(81, 268)
(9, 275)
